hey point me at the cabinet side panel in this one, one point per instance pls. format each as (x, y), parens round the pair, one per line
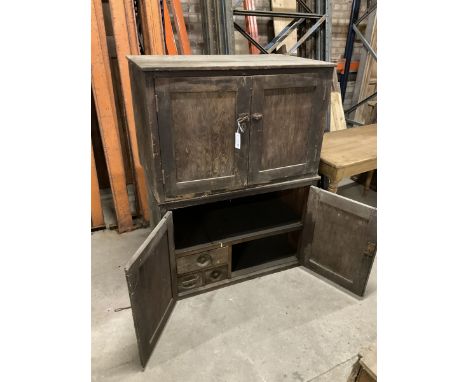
(144, 105)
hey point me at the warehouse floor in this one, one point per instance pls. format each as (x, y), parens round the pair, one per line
(288, 326)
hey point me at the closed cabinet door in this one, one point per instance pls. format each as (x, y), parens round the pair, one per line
(198, 123)
(288, 117)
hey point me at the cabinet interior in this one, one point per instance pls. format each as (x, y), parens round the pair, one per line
(249, 256)
(260, 231)
(234, 218)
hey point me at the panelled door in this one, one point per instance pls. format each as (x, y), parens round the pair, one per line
(152, 285)
(197, 119)
(287, 124)
(339, 239)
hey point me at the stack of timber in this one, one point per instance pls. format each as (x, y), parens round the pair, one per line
(366, 80)
(120, 28)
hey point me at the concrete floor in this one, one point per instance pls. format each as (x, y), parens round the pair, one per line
(288, 326)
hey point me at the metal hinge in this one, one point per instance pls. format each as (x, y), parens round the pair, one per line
(163, 177)
(370, 251)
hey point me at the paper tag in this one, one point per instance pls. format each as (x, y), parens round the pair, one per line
(237, 141)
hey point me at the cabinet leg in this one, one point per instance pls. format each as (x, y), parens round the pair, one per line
(333, 185)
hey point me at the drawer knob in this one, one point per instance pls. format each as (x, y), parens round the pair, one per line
(190, 283)
(203, 260)
(215, 274)
(257, 116)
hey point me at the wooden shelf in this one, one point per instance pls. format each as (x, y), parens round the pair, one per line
(233, 221)
(258, 254)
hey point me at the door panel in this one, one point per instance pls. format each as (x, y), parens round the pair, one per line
(339, 239)
(151, 280)
(288, 119)
(197, 119)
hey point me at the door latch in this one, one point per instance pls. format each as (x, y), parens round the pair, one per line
(244, 117)
(370, 250)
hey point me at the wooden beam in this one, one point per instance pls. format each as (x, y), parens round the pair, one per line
(131, 26)
(97, 218)
(123, 36)
(251, 26)
(152, 27)
(180, 27)
(103, 93)
(337, 116)
(170, 39)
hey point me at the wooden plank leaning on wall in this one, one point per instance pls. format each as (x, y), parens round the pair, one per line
(151, 24)
(251, 25)
(97, 218)
(126, 44)
(104, 99)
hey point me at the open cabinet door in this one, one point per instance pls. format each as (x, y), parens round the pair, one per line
(151, 279)
(339, 239)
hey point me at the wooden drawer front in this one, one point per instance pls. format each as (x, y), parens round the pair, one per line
(190, 281)
(216, 274)
(202, 260)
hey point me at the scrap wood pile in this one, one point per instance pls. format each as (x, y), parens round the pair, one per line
(120, 28)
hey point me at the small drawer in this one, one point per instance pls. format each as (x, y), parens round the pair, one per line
(202, 260)
(188, 282)
(216, 274)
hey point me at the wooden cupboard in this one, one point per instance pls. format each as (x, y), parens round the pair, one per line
(231, 146)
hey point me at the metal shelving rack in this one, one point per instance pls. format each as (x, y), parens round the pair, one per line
(315, 24)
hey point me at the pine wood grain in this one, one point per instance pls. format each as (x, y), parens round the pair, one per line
(279, 23)
(348, 152)
(337, 116)
(105, 108)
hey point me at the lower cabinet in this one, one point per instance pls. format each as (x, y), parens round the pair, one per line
(199, 248)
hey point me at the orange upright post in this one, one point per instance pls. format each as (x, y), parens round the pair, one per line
(180, 27)
(103, 93)
(123, 37)
(251, 25)
(152, 27)
(97, 218)
(170, 39)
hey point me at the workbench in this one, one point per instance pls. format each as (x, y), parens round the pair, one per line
(349, 152)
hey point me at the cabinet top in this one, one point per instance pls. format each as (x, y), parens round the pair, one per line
(223, 62)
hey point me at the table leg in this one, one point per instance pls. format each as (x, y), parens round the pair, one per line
(367, 182)
(333, 185)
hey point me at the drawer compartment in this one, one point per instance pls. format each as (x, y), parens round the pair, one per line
(216, 274)
(202, 260)
(191, 281)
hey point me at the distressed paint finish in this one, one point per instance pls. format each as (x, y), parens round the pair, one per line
(286, 140)
(199, 118)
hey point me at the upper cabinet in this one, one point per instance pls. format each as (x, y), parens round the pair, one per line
(216, 124)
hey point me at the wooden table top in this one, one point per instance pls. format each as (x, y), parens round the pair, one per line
(350, 146)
